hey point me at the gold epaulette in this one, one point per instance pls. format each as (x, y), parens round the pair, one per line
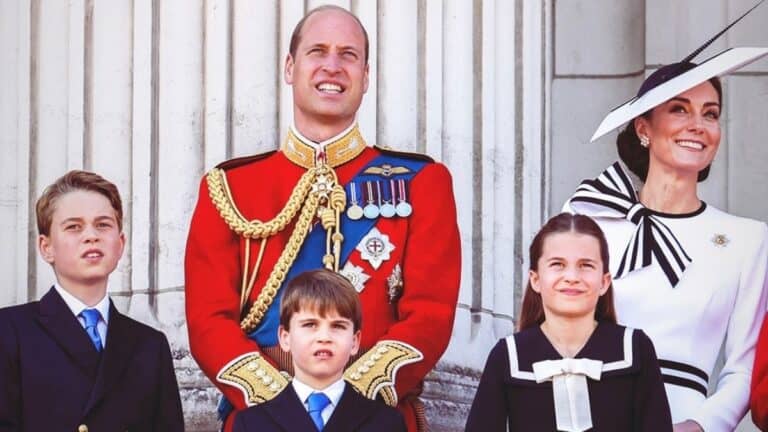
(254, 376)
(374, 372)
(403, 154)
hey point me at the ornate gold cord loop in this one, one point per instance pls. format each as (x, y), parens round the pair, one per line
(218, 190)
(280, 270)
(316, 194)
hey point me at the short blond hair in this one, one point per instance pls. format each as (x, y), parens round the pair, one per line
(75, 180)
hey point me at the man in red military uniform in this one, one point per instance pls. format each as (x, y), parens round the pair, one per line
(386, 220)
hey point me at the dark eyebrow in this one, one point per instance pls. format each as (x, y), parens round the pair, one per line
(687, 101)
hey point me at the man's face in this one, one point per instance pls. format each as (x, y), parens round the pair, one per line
(84, 243)
(319, 345)
(329, 74)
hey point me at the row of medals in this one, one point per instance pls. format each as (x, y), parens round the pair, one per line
(379, 198)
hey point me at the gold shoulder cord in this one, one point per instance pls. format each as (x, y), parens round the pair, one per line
(317, 193)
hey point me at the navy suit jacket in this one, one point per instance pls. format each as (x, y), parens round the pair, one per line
(286, 413)
(54, 380)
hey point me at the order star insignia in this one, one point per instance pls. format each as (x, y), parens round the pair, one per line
(375, 247)
(355, 275)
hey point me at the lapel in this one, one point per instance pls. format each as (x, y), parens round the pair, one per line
(352, 411)
(288, 411)
(119, 350)
(63, 327)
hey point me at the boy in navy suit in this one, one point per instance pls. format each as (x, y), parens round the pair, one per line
(320, 320)
(71, 361)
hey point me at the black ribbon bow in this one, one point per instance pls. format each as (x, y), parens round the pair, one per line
(612, 195)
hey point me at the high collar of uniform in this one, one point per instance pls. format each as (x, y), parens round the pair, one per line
(335, 151)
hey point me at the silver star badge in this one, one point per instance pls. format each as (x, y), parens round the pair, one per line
(355, 275)
(375, 248)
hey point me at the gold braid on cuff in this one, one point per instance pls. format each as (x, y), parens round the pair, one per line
(318, 192)
(374, 372)
(254, 376)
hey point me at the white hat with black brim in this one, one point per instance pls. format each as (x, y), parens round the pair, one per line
(676, 78)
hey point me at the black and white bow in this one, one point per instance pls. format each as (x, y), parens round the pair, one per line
(612, 195)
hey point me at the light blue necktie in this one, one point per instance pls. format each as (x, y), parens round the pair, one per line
(92, 317)
(317, 403)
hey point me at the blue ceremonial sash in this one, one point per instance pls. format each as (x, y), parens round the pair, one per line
(311, 252)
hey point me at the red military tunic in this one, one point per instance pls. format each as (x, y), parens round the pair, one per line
(426, 248)
(758, 399)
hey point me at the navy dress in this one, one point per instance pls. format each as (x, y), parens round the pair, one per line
(628, 397)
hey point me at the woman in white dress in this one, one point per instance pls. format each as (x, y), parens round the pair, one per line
(691, 276)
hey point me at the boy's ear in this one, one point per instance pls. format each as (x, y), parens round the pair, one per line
(355, 343)
(46, 248)
(284, 337)
(122, 243)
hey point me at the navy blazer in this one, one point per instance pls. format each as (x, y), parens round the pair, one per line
(286, 413)
(54, 380)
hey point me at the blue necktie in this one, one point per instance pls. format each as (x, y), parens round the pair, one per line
(317, 403)
(91, 317)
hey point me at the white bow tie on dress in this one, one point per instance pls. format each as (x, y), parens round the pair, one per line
(569, 387)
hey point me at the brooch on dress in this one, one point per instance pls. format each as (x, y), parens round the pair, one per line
(720, 240)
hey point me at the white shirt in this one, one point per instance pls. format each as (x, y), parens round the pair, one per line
(333, 391)
(76, 306)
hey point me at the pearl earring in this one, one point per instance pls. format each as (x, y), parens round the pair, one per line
(644, 141)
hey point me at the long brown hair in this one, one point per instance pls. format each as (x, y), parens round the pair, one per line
(532, 311)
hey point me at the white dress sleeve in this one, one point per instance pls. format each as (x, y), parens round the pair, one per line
(725, 408)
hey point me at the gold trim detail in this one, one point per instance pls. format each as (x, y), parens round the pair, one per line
(374, 372)
(318, 192)
(254, 376)
(335, 153)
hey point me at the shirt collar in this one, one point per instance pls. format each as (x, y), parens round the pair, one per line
(322, 144)
(76, 306)
(333, 391)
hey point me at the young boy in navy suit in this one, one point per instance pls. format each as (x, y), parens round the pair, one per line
(320, 321)
(71, 361)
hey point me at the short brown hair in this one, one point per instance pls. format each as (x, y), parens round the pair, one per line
(532, 311)
(323, 291)
(72, 181)
(296, 35)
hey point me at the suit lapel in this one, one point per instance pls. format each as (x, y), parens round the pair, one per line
(288, 411)
(62, 326)
(351, 412)
(116, 356)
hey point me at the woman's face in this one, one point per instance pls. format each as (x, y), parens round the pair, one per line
(684, 132)
(569, 275)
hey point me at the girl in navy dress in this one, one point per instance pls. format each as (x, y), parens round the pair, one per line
(570, 367)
